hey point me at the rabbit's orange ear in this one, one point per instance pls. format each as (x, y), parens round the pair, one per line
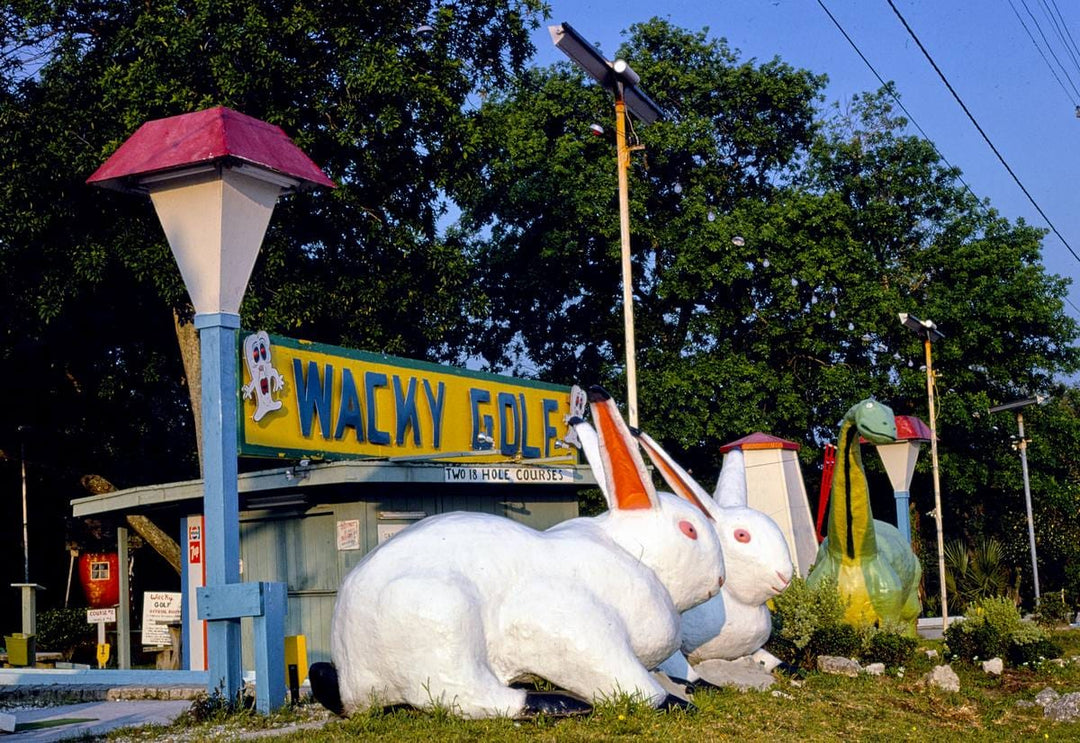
(678, 479)
(628, 483)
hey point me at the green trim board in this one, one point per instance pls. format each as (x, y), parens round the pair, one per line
(285, 480)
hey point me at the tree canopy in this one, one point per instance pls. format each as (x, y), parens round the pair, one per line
(774, 240)
(774, 244)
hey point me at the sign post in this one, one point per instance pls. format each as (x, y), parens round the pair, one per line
(101, 617)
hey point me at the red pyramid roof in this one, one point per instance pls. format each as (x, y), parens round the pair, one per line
(759, 440)
(204, 137)
(910, 428)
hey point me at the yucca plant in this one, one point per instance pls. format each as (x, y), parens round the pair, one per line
(978, 571)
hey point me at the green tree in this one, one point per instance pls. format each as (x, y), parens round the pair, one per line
(375, 94)
(844, 220)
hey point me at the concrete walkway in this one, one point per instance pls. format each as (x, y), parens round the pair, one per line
(59, 704)
(69, 721)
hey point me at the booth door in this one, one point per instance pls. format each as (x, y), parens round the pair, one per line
(298, 551)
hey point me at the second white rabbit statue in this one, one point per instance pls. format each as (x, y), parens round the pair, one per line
(456, 607)
(736, 623)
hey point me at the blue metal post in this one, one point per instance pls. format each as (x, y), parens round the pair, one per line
(217, 342)
(903, 519)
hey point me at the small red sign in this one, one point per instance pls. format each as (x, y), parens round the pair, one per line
(194, 552)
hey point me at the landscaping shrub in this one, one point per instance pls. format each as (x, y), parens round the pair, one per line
(1052, 610)
(800, 616)
(836, 639)
(64, 630)
(888, 646)
(993, 628)
(1030, 644)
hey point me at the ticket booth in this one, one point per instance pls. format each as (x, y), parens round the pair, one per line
(365, 445)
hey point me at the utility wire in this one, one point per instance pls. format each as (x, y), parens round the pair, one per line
(1065, 26)
(1061, 31)
(1049, 46)
(975, 122)
(1042, 54)
(895, 97)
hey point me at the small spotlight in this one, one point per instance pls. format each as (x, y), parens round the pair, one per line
(423, 31)
(738, 241)
(597, 130)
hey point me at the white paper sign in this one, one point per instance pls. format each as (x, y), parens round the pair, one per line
(348, 534)
(160, 609)
(97, 616)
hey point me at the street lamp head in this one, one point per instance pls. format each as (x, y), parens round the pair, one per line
(625, 73)
(925, 329)
(617, 77)
(1017, 404)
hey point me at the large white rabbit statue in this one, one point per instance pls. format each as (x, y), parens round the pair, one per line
(455, 608)
(735, 623)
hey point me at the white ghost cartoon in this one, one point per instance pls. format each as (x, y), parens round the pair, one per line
(265, 379)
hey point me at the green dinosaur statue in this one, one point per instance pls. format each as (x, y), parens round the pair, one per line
(871, 562)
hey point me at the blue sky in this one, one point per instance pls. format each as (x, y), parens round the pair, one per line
(980, 46)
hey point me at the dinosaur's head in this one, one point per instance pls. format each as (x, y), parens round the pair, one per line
(874, 421)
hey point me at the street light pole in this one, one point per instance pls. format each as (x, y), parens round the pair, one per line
(927, 330)
(623, 154)
(1019, 406)
(619, 79)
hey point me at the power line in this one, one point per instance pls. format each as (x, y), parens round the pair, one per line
(994, 149)
(1061, 30)
(1042, 54)
(1065, 26)
(896, 98)
(1049, 47)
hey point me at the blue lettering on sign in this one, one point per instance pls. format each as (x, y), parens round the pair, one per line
(550, 406)
(476, 397)
(406, 411)
(507, 402)
(372, 380)
(528, 452)
(435, 403)
(349, 407)
(313, 396)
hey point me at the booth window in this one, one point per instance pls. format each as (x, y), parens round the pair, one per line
(99, 571)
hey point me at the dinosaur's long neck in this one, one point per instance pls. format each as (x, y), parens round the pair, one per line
(851, 528)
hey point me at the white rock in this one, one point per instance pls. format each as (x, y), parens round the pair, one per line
(1064, 709)
(994, 666)
(875, 669)
(743, 674)
(1046, 696)
(944, 678)
(931, 654)
(838, 666)
(7, 722)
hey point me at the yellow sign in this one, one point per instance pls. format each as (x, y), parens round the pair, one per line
(102, 654)
(301, 399)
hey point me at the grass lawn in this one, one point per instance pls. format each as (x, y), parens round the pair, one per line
(894, 707)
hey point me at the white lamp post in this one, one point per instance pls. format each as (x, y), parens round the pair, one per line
(899, 459)
(928, 331)
(214, 177)
(619, 79)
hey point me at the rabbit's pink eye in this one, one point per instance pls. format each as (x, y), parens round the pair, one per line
(688, 529)
(742, 535)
